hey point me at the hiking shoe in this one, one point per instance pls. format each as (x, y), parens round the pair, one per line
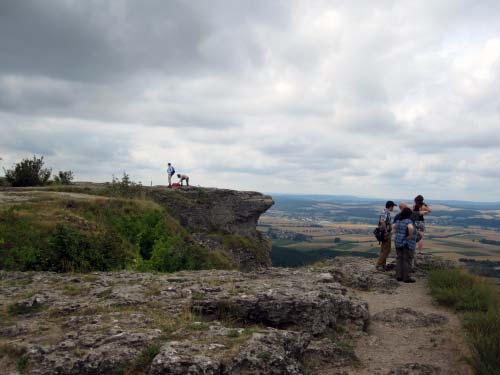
(410, 281)
(399, 278)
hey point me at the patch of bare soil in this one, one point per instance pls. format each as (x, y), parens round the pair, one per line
(409, 335)
(8, 196)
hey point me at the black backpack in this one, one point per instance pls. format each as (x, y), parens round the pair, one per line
(379, 234)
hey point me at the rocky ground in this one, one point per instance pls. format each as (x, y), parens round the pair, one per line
(338, 317)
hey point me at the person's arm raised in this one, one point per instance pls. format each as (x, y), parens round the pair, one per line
(425, 209)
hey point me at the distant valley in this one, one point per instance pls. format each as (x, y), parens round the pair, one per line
(307, 228)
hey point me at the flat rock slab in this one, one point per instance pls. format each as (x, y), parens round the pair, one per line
(407, 317)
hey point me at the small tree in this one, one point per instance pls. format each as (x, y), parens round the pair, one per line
(29, 172)
(64, 178)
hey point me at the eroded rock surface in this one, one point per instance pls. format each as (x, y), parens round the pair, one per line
(360, 274)
(221, 218)
(204, 322)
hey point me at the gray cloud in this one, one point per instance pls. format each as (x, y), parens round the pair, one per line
(336, 97)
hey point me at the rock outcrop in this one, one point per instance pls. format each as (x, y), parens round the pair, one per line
(221, 218)
(203, 322)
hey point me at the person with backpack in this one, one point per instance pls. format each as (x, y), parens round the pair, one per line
(420, 209)
(405, 242)
(385, 227)
(170, 173)
(182, 178)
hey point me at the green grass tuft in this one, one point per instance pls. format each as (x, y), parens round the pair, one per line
(22, 363)
(480, 301)
(461, 291)
(145, 358)
(22, 309)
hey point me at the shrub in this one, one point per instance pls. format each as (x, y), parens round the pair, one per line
(64, 178)
(70, 250)
(125, 187)
(20, 243)
(28, 172)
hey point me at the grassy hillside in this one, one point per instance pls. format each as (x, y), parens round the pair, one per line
(64, 232)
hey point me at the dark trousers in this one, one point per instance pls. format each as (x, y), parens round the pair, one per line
(404, 257)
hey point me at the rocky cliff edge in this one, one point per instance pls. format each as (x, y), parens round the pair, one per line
(221, 218)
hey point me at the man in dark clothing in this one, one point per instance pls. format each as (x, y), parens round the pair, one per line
(386, 226)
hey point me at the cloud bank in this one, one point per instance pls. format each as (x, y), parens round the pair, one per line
(339, 97)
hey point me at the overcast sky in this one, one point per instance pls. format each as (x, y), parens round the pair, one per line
(339, 97)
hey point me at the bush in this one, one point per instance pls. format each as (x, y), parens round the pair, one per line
(64, 178)
(28, 172)
(124, 188)
(72, 251)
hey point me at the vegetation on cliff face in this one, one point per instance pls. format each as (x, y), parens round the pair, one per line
(480, 301)
(63, 234)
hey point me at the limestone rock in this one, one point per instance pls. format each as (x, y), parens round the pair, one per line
(326, 353)
(185, 357)
(272, 353)
(214, 214)
(360, 274)
(283, 299)
(426, 262)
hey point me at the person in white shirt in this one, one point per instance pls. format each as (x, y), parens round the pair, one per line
(170, 173)
(182, 178)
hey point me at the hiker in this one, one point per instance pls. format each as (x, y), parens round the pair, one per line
(386, 227)
(170, 173)
(420, 209)
(182, 178)
(414, 217)
(402, 206)
(404, 241)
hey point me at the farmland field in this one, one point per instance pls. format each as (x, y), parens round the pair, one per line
(307, 230)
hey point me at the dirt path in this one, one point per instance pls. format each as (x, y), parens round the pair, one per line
(410, 335)
(8, 196)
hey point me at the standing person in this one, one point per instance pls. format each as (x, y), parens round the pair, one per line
(386, 227)
(420, 209)
(170, 173)
(402, 206)
(404, 241)
(182, 178)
